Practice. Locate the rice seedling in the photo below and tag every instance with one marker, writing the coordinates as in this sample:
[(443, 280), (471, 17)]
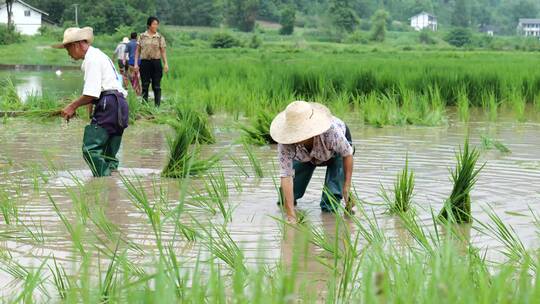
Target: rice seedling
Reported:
[(9, 99), (183, 159), (403, 191), (8, 207), (197, 122), (489, 143), (490, 104), (216, 195), (254, 161), (514, 249), (258, 131), (457, 208), (517, 103), (463, 105)]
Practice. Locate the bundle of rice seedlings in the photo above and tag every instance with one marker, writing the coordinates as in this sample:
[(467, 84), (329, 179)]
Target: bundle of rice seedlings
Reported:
[(184, 159), (403, 191), (258, 133), (198, 122), (457, 207)]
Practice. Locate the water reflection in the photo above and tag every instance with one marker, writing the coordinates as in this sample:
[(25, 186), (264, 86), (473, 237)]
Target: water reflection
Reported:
[(47, 82)]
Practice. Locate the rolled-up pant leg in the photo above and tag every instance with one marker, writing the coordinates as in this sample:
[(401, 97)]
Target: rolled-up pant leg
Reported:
[(95, 142), (333, 184)]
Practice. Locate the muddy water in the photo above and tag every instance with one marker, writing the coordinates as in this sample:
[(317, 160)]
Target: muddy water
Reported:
[(40, 158)]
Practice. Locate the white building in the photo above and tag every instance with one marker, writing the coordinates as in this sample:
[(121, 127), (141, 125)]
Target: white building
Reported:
[(26, 18), (424, 20), (529, 27)]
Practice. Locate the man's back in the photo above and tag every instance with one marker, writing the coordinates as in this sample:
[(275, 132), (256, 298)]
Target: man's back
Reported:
[(131, 47)]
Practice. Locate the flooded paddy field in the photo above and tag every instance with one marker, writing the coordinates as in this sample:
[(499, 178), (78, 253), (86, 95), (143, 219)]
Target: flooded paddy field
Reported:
[(53, 210)]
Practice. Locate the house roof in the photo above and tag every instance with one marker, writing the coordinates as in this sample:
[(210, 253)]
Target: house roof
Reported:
[(424, 13), (27, 5), (528, 20)]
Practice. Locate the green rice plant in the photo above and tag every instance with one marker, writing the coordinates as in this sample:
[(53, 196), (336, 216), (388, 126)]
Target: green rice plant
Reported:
[(518, 103), (198, 122), (403, 191), (8, 207), (217, 194), (219, 242), (61, 281), (76, 232), (513, 247), (253, 160), (490, 104), (463, 105), (183, 159), (489, 143), (9, 99), (258, 131), (536, 102), (457, 208)]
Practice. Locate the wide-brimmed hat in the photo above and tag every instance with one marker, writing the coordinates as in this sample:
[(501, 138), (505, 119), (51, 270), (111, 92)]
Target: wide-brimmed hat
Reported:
[(300, 121), (74, 34), (125, 40)]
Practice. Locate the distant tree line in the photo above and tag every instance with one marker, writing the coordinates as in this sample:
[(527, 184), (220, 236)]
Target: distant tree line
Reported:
[(344, 15)]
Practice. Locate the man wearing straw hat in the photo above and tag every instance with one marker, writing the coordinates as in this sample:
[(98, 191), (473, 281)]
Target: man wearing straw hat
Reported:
[(103, 91), (309, 136)]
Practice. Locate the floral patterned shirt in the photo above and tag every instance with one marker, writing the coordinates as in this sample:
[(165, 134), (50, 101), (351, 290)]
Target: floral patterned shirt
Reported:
[(325, 146), (151, 45)]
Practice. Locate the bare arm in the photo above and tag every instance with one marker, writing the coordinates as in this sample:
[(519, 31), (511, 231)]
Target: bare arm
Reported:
[(137, 53), (287, 189), (347, 169), (164, 58)]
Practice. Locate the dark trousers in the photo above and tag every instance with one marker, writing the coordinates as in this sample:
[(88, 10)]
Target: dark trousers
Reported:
[(151, 71), (333, 182)]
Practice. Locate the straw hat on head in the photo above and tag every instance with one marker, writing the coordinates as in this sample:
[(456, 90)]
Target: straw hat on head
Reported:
[(74, 34), (125, 40), (300, 121)]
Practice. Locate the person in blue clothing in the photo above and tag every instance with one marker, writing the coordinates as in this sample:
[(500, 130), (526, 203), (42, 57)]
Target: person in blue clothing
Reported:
[(133, 74)]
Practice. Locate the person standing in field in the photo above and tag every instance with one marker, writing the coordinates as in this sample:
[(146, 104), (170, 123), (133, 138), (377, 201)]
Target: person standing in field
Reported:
[(104, 92), (309, 136), (152, 52), (120, 54), (133, 76)]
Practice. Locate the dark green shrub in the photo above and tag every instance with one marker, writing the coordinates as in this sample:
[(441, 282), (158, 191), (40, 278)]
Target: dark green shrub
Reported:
[(459, 37), (287, 20), (9, 36), (224, 41)]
